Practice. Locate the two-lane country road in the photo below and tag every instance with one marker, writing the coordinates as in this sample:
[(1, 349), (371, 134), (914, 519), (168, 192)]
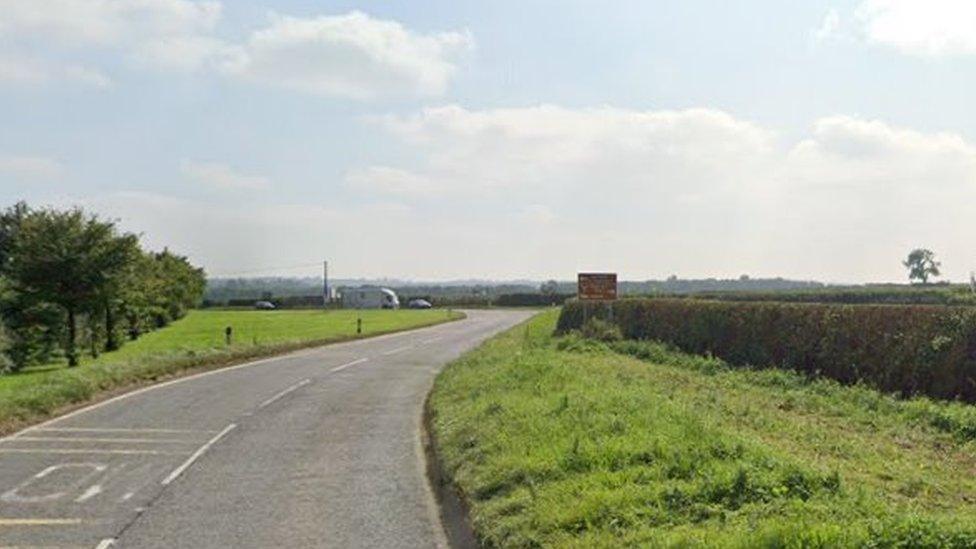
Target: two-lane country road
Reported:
[(319, 448)]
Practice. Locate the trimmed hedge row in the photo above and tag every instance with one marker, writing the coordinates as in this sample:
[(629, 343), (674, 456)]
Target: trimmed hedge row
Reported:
[(897, 296), (531, 300), (916, 349)]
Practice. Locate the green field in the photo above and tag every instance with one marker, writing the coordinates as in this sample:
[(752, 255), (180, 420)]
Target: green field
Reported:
[(194, 342), (567, 442)]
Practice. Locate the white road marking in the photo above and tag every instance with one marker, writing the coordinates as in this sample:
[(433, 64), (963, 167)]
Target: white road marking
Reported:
[(110, 440), (91, 492), (196, 455), (86, 451), (39, 521), (115, 430), (398, 350), (431, 340), (105, 543), (294, 387), (13, 495), (348, 364), (127, 496)]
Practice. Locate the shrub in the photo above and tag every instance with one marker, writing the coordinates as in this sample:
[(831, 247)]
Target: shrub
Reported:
[(600, 330), (906, 349)]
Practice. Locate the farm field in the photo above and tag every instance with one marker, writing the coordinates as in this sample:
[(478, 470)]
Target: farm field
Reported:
[(197, 341), (563, 441)]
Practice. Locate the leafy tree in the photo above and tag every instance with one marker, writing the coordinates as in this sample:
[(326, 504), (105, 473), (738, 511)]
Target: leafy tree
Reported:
[(549, 287), (921, 264), (67, 259)]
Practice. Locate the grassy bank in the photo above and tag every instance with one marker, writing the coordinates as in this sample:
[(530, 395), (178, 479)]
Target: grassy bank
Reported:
[(195, 342), (568, 442)]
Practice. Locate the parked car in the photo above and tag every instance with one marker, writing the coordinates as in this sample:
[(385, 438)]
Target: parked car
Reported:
[(264, 305), (419, 304)]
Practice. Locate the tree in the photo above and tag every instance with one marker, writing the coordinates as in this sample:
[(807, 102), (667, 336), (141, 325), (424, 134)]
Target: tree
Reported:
[(549, 287), (921, 264), (67, 259)]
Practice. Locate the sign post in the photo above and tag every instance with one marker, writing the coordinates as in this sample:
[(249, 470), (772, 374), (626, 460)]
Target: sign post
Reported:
[(596, 287)]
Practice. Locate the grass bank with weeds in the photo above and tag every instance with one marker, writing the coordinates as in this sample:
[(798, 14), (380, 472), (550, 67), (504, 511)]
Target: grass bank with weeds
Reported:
[(577, 443), (193, 343)]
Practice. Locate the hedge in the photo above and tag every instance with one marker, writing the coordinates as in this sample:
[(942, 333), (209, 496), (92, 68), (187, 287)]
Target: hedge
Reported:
[(908, 349), (531, 300)]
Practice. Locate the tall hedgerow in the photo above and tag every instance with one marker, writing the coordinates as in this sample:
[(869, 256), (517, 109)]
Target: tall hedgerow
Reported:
[(909, 349)]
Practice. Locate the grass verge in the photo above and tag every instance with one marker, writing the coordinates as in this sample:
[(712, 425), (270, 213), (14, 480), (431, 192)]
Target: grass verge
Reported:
[(572, 443), (192, 344)]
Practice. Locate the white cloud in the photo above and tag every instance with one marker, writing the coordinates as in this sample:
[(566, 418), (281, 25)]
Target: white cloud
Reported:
[(22, 70), (700, 190), (106, 22), (829, 27), (914, 27), (222, 176), (30, 167), (385, 179), (352, 55)]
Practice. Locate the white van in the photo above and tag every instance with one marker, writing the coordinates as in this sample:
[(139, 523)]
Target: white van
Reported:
[(370, 298)]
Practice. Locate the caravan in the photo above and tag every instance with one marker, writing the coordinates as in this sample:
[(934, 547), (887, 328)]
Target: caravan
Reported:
[(370, 298)]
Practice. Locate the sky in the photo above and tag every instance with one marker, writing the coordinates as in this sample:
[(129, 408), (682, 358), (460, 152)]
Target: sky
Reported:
[(439, 140)]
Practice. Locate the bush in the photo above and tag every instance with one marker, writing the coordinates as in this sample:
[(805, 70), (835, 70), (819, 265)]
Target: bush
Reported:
[(919, 349), (600, 330)]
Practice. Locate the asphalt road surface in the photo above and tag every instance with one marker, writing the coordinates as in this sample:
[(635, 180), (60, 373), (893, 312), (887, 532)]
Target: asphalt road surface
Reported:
[(319, 448)]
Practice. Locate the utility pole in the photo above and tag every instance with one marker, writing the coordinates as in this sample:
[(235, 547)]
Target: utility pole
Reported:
[(325, 284)]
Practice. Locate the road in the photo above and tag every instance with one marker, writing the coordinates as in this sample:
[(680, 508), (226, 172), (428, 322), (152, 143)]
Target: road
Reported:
[(319, 448)]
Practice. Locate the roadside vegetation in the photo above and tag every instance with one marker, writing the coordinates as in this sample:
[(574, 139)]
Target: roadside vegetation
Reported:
[(193, 343), (72, 283), (595, 441), (909, 349)]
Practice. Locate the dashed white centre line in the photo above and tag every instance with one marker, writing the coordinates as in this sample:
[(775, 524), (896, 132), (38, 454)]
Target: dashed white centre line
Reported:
[(294, 387), (196, 455), (398, 350), (348, 364), (431, 340)]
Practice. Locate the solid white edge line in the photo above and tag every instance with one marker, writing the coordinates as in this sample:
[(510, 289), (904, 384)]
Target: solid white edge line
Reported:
[(196, 455), (348, 364), (294, 387)]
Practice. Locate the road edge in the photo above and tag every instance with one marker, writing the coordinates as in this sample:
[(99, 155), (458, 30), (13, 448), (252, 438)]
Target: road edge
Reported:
[(452, 507), (101, 397)]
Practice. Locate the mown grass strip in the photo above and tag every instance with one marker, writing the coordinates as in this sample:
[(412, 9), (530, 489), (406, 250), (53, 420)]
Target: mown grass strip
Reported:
[(566, 442), (193, 344)]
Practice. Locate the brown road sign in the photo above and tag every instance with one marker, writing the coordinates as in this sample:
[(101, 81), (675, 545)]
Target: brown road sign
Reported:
[(597, 286)]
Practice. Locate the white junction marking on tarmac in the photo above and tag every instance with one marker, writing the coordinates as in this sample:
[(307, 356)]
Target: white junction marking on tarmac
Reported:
[(398, 350), (91, 492), (348, 364), (87, 451), (109, 440), (115, 430), (294, 387), (39, 521), (88, 470), (431, 340), (196, 455), (105, 543)]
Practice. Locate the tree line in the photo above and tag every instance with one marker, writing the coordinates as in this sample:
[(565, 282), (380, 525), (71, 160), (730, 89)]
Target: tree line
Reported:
[(72, 282)]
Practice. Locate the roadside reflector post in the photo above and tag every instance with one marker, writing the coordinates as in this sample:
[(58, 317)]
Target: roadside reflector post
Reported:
[(228, 334), (359, 326)]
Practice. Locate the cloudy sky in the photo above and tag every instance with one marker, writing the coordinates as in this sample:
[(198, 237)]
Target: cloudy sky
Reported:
[(506, 139)]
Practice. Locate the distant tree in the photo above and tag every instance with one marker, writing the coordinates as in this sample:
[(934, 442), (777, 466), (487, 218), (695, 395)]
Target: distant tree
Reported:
[(921, 264), (549, 287), (743, 278)]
